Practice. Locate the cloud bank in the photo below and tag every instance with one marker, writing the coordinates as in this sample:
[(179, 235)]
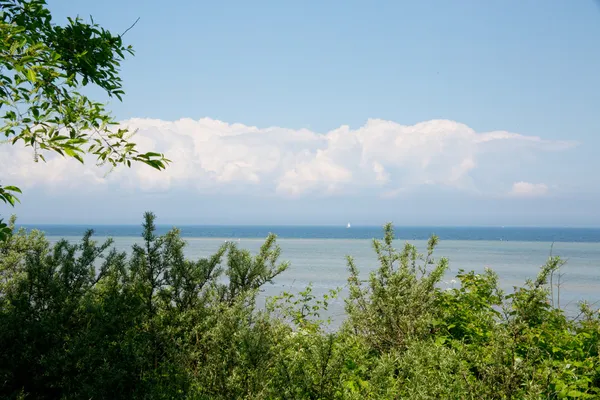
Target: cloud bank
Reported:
[(211, 156)]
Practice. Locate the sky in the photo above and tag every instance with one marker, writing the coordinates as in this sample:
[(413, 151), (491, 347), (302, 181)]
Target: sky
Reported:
[(462, 112)]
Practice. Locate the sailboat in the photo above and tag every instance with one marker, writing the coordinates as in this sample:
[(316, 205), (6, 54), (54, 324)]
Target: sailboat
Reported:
[(348, 226)]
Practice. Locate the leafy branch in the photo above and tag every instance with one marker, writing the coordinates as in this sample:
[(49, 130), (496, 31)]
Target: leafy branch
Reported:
[(43, 69)]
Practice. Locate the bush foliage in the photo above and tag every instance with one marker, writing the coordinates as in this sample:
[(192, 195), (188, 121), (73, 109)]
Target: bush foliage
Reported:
[(83, 321)]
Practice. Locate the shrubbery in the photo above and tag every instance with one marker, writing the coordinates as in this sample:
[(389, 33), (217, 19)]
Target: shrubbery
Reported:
[(82, 321)]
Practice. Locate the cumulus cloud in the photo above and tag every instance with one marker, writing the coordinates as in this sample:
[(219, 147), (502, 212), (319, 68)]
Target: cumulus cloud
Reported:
[(211, 155), (526, 189)]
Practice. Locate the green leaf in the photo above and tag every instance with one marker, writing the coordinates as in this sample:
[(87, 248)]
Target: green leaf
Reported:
[(70, 152), (59, 138), (12, 189), (31, 75)]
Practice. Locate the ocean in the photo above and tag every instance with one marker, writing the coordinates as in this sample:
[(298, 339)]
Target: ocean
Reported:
[(317, 254)]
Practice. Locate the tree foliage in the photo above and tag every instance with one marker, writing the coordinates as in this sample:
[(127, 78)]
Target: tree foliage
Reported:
[(44, 68)]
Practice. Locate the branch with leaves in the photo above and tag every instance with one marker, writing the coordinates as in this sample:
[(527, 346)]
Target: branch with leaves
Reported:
[(43, 69)]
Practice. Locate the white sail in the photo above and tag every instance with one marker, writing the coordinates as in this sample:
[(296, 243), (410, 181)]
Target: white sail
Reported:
[(348, 226)]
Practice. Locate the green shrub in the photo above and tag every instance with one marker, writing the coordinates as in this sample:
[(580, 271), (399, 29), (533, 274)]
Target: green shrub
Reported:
[(81, 320)]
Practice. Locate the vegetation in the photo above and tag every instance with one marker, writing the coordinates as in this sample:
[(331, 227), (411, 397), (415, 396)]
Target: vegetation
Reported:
[(85, 321), (43, 69)]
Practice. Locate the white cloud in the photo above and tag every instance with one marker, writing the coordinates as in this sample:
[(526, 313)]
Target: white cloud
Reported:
[(526, 189), (210, 155), (381, 175)]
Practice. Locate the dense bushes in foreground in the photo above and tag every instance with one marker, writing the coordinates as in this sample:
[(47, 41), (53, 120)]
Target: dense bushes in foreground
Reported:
[(82, 321)]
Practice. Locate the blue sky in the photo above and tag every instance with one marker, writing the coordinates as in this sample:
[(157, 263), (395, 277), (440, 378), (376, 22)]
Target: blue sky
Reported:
[(459, 112)]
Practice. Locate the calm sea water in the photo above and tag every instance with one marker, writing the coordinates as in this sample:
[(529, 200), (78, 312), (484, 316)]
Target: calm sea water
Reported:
[(587, 235), (318, 254)]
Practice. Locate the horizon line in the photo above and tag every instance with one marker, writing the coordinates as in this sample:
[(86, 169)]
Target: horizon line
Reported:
[(316, 225)]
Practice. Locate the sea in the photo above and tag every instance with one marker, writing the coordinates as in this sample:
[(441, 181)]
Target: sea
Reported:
[(317, 254)]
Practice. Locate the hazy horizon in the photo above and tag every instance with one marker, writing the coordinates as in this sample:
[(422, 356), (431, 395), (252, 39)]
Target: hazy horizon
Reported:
[(396, 226)]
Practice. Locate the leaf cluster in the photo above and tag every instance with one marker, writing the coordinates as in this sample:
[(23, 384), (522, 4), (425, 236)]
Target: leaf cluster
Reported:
[(45, 68)]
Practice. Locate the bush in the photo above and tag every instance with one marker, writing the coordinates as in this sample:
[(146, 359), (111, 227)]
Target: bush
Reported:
[(85, 321)]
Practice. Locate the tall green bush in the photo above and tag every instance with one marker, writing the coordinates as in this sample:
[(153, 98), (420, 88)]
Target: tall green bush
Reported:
[(82, 320)]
